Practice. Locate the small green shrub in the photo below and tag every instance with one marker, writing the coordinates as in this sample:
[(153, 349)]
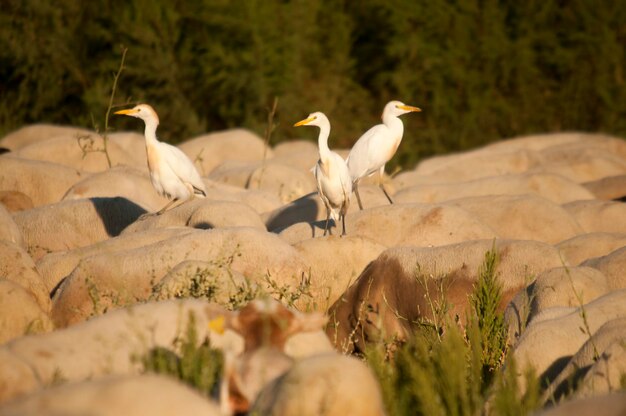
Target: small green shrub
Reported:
[(201, 283), (507, 400), (286, 293), (484, 301), (192, 362), (436, 297), (460, 371)]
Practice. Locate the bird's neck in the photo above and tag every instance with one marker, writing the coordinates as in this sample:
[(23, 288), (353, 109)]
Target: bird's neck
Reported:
[(150, 132), (322, 141), (394, 124)]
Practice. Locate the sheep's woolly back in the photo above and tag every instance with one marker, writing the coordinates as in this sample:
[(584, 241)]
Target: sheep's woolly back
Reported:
[(333, 385)]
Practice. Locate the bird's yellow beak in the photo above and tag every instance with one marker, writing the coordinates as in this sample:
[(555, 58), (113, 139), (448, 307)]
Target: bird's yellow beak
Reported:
[(126, 112), (304, 122), (409, 108)]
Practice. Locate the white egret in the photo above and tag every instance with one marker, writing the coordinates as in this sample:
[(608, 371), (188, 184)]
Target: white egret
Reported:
[(377, 146), (173, 175), (334, 184)]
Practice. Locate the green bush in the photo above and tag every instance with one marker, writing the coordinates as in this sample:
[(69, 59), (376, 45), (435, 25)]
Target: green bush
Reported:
[(462, 372), (485, 301), (192, 362), (480, 69)]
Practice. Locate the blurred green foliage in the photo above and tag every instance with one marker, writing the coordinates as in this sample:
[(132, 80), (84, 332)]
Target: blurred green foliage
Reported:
[(480, 69), (195, 364)]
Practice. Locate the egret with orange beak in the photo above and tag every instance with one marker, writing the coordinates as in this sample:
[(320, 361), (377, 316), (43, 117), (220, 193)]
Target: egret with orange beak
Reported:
[(334, 184), (173, 175), (377, 146)]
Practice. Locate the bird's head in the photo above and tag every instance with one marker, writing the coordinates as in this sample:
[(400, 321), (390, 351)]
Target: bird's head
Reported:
[(314, 119), (397, 108), (142, 111)]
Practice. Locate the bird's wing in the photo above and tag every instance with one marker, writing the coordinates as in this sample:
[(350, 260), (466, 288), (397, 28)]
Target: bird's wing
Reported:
[(182, 166), (320, 180), (346, 185), (333, 182), (359, 159), (343, 173)]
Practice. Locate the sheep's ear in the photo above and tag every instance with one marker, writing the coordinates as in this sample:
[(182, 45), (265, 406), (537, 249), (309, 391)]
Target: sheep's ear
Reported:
[(308, 322)]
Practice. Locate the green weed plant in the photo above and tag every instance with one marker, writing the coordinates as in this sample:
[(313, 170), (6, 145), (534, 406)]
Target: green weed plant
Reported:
[(195, 363), (465, 371)]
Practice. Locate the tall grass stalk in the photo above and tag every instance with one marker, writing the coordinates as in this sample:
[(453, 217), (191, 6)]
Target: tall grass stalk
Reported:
[(105, 135)]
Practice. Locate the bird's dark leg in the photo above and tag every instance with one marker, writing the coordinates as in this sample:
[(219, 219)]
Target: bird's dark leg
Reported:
[(381, 174), (385, 192), (358, 197), (343, 224), (169, 204), (326, 229)]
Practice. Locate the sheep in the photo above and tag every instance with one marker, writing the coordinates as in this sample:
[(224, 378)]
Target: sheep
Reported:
[(265, 325), (333, 385)]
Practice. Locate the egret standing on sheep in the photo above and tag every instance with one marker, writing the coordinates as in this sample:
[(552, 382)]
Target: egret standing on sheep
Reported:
[(173, 175), (334, 184), (377, 146)]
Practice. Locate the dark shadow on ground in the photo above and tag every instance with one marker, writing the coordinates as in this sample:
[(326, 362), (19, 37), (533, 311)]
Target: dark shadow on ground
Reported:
[(116, 213), (303, 209)]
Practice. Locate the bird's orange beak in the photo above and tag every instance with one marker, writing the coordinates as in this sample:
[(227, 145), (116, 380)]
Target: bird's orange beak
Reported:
[(304, 122), (409, 108), (126, 112)]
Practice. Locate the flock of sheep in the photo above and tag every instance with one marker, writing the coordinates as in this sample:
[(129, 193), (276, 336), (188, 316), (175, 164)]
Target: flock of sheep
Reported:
[(100, 264)]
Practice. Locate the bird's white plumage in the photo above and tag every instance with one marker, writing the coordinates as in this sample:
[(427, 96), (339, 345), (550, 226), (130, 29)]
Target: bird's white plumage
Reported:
[(370, 152), (172, 173), (334, 184), (182, 168), (378, 144), (331, 172)]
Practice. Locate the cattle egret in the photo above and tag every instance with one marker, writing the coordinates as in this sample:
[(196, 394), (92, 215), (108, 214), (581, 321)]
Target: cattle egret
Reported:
[(173, 175), (334, 184), (377, 146)]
